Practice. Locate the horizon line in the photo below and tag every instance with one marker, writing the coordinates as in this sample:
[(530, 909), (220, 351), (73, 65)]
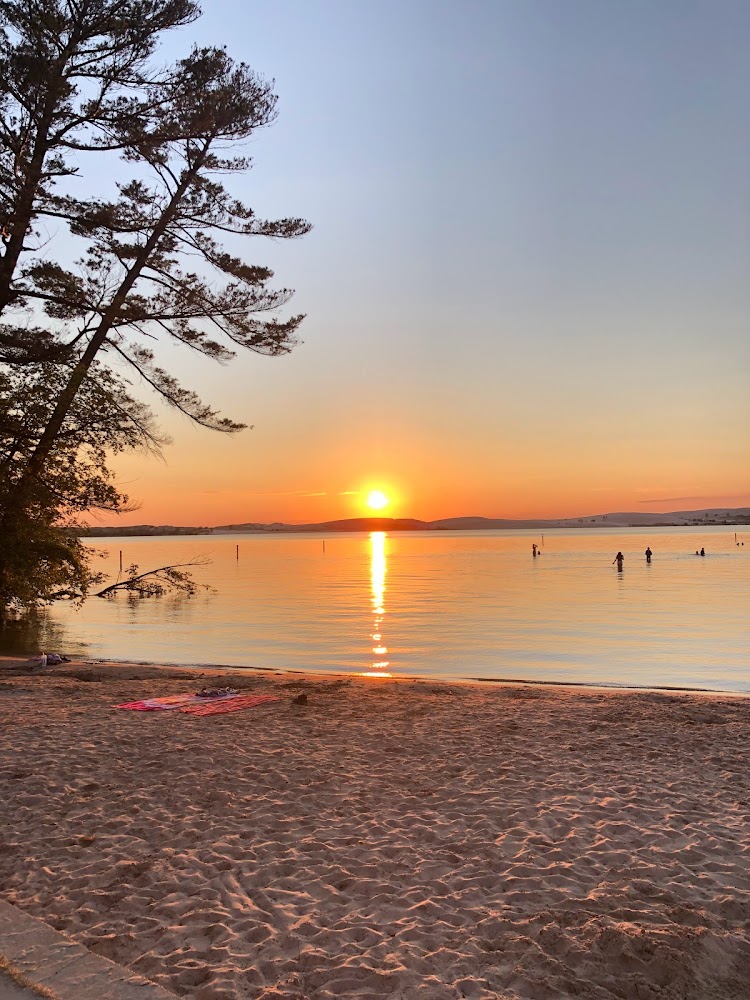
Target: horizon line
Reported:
[(459, 517)]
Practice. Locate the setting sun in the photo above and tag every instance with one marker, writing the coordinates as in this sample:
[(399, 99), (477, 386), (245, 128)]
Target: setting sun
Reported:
[(377, 500)]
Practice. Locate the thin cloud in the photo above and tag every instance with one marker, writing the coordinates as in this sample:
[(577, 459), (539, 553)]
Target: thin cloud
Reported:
[(673, 499), (259, 493), (705, 496), (279, 493)]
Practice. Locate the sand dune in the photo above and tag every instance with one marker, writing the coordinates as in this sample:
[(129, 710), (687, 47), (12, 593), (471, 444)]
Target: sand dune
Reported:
[(388, 839)]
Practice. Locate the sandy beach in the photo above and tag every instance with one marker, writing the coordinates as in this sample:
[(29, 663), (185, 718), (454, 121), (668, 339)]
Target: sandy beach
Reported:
[(399, 839)]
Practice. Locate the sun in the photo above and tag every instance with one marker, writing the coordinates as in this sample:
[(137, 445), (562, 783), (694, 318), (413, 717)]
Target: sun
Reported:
[(377, 500)]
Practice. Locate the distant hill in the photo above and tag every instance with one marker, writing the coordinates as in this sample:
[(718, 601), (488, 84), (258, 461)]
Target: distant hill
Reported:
[(125, 531), (641, 519), (691, 518), (349, 524)]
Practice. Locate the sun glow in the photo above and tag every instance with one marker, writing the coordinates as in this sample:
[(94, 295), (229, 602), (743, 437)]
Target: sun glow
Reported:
[(377, 500)]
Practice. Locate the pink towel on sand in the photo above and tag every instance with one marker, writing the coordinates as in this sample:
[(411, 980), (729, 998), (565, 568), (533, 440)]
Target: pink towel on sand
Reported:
[(222, 705), (169, 701), (159, 704)]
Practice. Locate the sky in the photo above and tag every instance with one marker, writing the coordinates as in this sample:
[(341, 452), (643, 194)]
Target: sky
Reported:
[(526, 289)]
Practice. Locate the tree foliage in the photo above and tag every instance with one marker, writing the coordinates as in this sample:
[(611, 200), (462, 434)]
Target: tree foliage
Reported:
[(42, 556), (73, 77)]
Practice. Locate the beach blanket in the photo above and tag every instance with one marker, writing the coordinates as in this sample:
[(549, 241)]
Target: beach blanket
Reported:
[(170, 701), (218, 706)]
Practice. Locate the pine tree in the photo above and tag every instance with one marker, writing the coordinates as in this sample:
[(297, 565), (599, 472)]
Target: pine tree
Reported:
[(133, 286)]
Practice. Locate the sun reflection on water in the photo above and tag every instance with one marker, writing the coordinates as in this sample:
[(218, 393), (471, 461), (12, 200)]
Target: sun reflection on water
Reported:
[(377, 588)]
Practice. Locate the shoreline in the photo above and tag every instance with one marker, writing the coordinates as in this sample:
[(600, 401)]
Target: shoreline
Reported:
[(385, 838), (193, 669)]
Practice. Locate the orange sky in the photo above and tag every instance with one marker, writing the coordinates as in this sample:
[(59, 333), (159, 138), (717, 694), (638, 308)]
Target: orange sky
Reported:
[(325, 468)]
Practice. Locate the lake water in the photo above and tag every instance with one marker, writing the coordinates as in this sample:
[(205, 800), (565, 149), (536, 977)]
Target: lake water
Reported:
[(443, 604)]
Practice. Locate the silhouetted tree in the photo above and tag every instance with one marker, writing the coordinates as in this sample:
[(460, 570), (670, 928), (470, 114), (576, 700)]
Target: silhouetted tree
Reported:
[(133, 285)]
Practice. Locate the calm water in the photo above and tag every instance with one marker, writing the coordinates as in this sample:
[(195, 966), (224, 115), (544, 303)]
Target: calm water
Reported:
[(446, 604)]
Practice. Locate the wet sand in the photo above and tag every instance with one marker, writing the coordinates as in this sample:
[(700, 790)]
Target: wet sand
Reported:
[(397, 839)]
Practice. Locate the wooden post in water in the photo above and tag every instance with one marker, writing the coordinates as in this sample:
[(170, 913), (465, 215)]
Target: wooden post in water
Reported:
[(121, 560), (237, 556), (324, 546)]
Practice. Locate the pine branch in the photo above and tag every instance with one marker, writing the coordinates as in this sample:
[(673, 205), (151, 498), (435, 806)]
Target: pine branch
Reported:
[(165, 578)]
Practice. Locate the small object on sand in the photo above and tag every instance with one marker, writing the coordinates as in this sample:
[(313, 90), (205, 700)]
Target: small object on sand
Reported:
[(224, 692), (301, 699)]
